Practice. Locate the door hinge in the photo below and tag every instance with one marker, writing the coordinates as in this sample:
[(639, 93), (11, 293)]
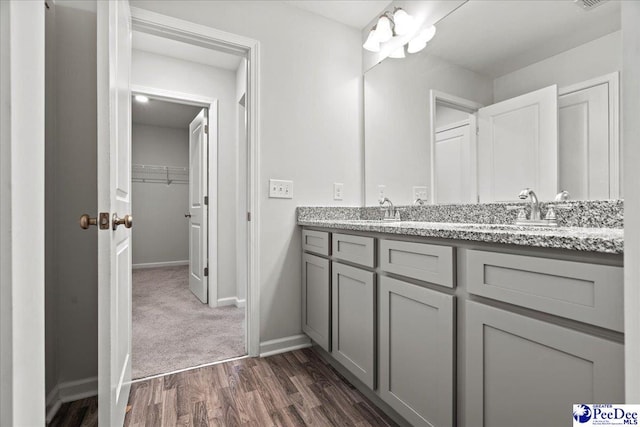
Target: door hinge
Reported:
[(248, 216), (206, 128), (206, 271), (206, 200)]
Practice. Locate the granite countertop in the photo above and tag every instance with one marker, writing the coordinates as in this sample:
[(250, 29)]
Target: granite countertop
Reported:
[(603, 240)]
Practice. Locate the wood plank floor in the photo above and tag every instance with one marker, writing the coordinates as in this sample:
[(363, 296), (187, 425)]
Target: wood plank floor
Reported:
[(290, 389)]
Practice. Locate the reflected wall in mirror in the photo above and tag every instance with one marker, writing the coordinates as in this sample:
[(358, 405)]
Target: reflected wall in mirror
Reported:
[(507, 95)]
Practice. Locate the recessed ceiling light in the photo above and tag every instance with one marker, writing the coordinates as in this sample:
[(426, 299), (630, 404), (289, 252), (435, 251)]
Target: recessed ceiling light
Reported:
[(142, 98)]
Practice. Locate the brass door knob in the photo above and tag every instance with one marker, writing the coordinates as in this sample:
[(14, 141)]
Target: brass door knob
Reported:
[(86, 221), (126, 220)]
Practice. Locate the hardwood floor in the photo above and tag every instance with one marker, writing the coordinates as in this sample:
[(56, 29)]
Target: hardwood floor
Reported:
[(290, 389)]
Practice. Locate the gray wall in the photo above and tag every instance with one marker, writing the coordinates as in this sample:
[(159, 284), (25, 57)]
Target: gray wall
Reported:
[(75, 250), (161, 233)]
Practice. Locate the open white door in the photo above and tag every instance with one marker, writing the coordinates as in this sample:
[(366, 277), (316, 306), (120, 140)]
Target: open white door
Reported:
[(114, 199), (518, 146), (198, 206)]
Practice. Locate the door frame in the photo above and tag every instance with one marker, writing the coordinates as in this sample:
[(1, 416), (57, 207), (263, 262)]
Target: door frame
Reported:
[(201, 35), (435, 97), (211, 104)]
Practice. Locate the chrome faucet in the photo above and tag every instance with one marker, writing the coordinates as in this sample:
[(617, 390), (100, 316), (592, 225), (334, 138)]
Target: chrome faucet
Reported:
[(418, 202), (390, 211), (550, 219), (535, 204)]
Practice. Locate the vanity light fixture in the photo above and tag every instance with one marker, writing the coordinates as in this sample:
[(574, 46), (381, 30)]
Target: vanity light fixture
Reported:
[(389, 24), (398, 23), (142, 99)]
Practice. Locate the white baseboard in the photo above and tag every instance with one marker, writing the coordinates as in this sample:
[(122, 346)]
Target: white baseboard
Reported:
[(282, 345), (68, 392), (160, 264), (240, 303)]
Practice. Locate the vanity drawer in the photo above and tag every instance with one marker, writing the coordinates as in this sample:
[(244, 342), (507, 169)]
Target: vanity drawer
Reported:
[(315, 241), (430, 263), (589, 293), (355, 249)]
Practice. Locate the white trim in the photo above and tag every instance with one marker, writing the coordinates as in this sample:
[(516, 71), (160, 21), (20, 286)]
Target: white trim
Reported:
[(613, 81), (453, 125), (22, 200), (177, 29), (437, 97), (212, 152), (68, 392), (282, 345), (159, 264), (223, 302)]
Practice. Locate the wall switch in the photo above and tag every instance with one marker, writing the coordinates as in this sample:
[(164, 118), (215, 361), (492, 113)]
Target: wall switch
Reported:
[(338, 189), (381, 192), (280, 189), (420, 193)]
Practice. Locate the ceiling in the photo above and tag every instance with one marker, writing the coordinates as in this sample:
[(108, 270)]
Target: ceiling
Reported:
[(354, 13), (185, 51), (495, 37), (163, 113)]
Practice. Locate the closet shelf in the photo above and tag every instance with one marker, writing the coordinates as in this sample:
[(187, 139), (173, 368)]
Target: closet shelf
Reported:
[(160, 174)]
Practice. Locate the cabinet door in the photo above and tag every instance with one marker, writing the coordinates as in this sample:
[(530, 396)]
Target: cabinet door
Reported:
[(416, 352), (525, 372), (316, 300), (353, 325)]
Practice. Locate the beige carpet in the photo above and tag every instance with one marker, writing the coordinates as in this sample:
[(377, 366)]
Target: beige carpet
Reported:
[(173, 330)]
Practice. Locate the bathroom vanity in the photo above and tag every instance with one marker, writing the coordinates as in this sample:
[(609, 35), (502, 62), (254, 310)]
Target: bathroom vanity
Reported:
[(466, 324)]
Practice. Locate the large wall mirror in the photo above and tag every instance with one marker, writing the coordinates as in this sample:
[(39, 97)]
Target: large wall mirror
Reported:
[(508, 95)]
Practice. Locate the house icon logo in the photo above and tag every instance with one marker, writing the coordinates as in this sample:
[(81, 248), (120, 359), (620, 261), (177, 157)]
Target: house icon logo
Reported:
[(582, 413)]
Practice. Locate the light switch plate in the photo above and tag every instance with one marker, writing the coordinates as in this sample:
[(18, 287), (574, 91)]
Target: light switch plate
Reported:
[(280, 189), (338, 191), (420, 192)]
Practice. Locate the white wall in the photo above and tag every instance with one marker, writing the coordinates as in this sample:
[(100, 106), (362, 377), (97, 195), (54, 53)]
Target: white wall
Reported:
[(198, 79), (397, 120), (310, 129), (447, 115), (593, 59), (161, 233), (630, 135), (22, 247)]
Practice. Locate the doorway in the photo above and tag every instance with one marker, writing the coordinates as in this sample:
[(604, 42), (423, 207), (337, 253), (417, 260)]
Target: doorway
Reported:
[(188, 311)]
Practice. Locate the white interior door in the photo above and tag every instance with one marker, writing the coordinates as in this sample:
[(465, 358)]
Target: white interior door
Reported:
[(518, 146), (114, 198), (585, 143), (455, 163), (197, 206)]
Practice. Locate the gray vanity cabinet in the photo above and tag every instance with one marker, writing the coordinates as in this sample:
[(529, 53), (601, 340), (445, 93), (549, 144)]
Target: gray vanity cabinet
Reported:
[(316, 299), (416, 352), (353, 320), (526, 372)]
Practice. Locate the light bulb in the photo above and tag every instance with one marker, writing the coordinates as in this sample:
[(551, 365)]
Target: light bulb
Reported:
[(416, 45), (383, 31), (141, 98), (403, 22), (427, 34), (372, 44), (398, 53)]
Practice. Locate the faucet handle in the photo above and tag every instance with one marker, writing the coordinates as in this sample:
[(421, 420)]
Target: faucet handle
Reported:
[(551, 214)]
